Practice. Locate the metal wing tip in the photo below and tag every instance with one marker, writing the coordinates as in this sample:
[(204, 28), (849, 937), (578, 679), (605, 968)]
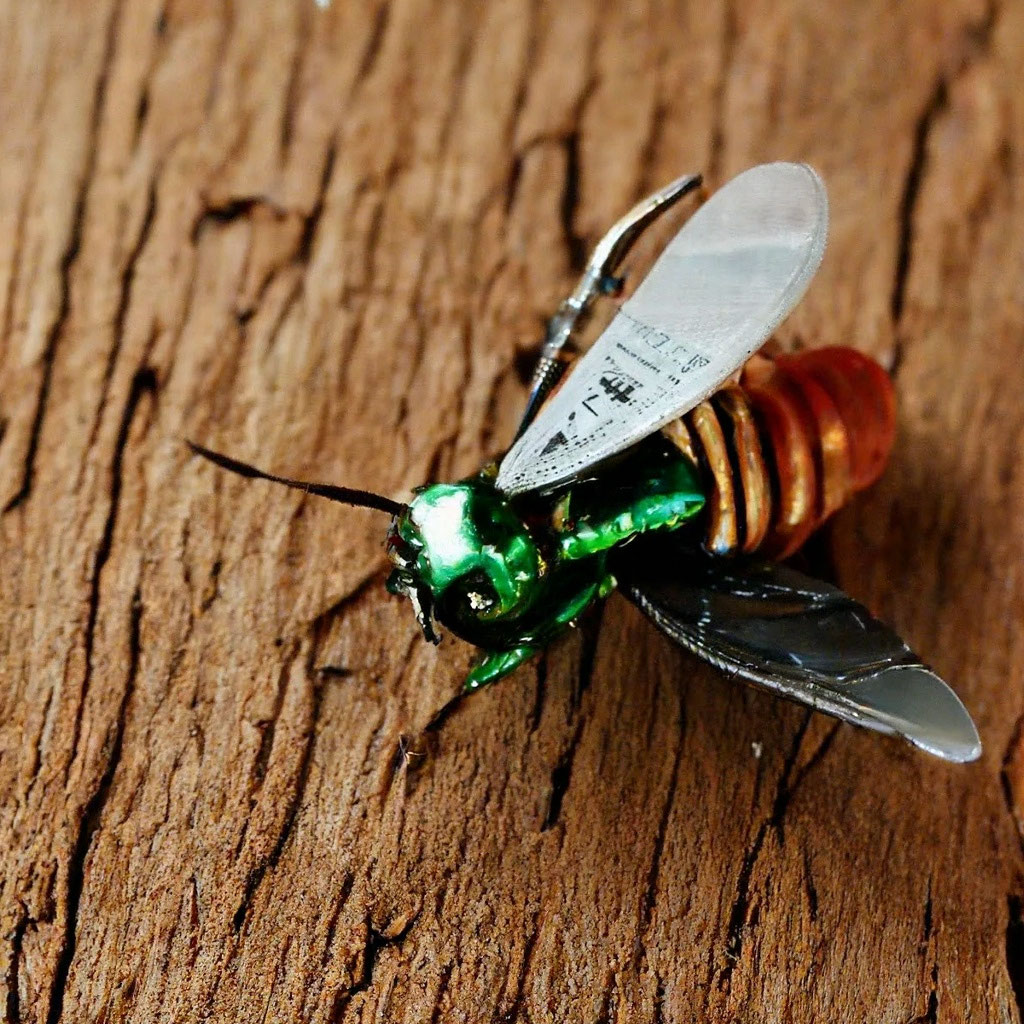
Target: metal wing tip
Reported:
[(915, 703)]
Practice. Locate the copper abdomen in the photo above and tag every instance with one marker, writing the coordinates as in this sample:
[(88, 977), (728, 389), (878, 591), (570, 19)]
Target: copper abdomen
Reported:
[(787, 446)]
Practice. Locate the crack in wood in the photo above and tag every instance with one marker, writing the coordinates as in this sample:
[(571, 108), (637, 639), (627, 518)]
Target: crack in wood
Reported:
[(931, 1013), (655, 129), (440, 717), (928, 923), (300, 257), (420, 337), (540, 694), (16, 249), (978, 37), (651, 885), (812, 762), (590, 630), (232, 209), (320, 627), (289, 106), (121, 314), (258, 871), (344, 891), (929, 940), (514, 1012), (937, 102), (37, 745), (561, 773), (373, 239), (575, 244), (276, 977), (376, 943), (374, 44), (311, 222), (143, 384), (142, 106), (1005, 781), (268, 729), (1015, 948), (742, 916), (49, 357), (655, 126), (809, 888), (560, 777), (67, 262), (659, 999), (604, 1015), (511, 185), (13, 979), (91, 820), (442, 990), (730, 33)]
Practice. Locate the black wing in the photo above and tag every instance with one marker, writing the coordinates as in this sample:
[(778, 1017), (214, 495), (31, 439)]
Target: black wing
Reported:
[(799, 638)]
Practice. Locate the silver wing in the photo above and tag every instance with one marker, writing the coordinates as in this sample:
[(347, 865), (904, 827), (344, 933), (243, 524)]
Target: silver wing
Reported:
[(801, 639), (716, 293)]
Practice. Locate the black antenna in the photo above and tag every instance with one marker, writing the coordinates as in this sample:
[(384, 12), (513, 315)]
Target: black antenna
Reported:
[(346, 495)]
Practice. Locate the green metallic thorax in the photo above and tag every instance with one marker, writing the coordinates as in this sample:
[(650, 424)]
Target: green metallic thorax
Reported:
[(464, 529), (510, 574)]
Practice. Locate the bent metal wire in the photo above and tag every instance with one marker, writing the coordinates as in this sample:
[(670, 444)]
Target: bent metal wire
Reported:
[(680, 461)]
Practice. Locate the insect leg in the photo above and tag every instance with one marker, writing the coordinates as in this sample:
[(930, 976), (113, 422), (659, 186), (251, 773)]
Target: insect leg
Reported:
[(496, 664), (598, 279)]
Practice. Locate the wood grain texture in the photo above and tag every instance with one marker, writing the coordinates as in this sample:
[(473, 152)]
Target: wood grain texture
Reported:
[(234, 784)]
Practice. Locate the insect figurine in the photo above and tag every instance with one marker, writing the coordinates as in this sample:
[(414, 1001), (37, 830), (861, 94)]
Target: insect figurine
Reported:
[(682, 464)]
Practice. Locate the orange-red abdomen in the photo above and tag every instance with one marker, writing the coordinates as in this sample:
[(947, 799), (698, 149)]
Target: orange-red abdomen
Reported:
[(787, 447)]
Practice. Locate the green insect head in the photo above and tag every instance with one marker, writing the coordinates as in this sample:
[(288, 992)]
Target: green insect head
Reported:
[(463, 555)]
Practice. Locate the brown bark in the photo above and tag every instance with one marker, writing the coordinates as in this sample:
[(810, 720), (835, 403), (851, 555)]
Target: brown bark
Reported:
[(324, 240)]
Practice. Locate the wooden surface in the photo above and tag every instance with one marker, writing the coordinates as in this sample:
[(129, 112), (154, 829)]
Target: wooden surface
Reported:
[(232, 786)]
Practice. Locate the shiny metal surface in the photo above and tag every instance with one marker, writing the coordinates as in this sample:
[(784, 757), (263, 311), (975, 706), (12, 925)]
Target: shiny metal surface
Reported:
[(719, 289), (598, 278), (801, 639)]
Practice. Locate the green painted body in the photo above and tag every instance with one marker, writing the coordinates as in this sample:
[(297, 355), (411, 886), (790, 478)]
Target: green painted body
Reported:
[(511, 574)]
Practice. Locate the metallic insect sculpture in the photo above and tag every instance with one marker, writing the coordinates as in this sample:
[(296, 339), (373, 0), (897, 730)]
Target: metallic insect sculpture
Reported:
[(681, 464)]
